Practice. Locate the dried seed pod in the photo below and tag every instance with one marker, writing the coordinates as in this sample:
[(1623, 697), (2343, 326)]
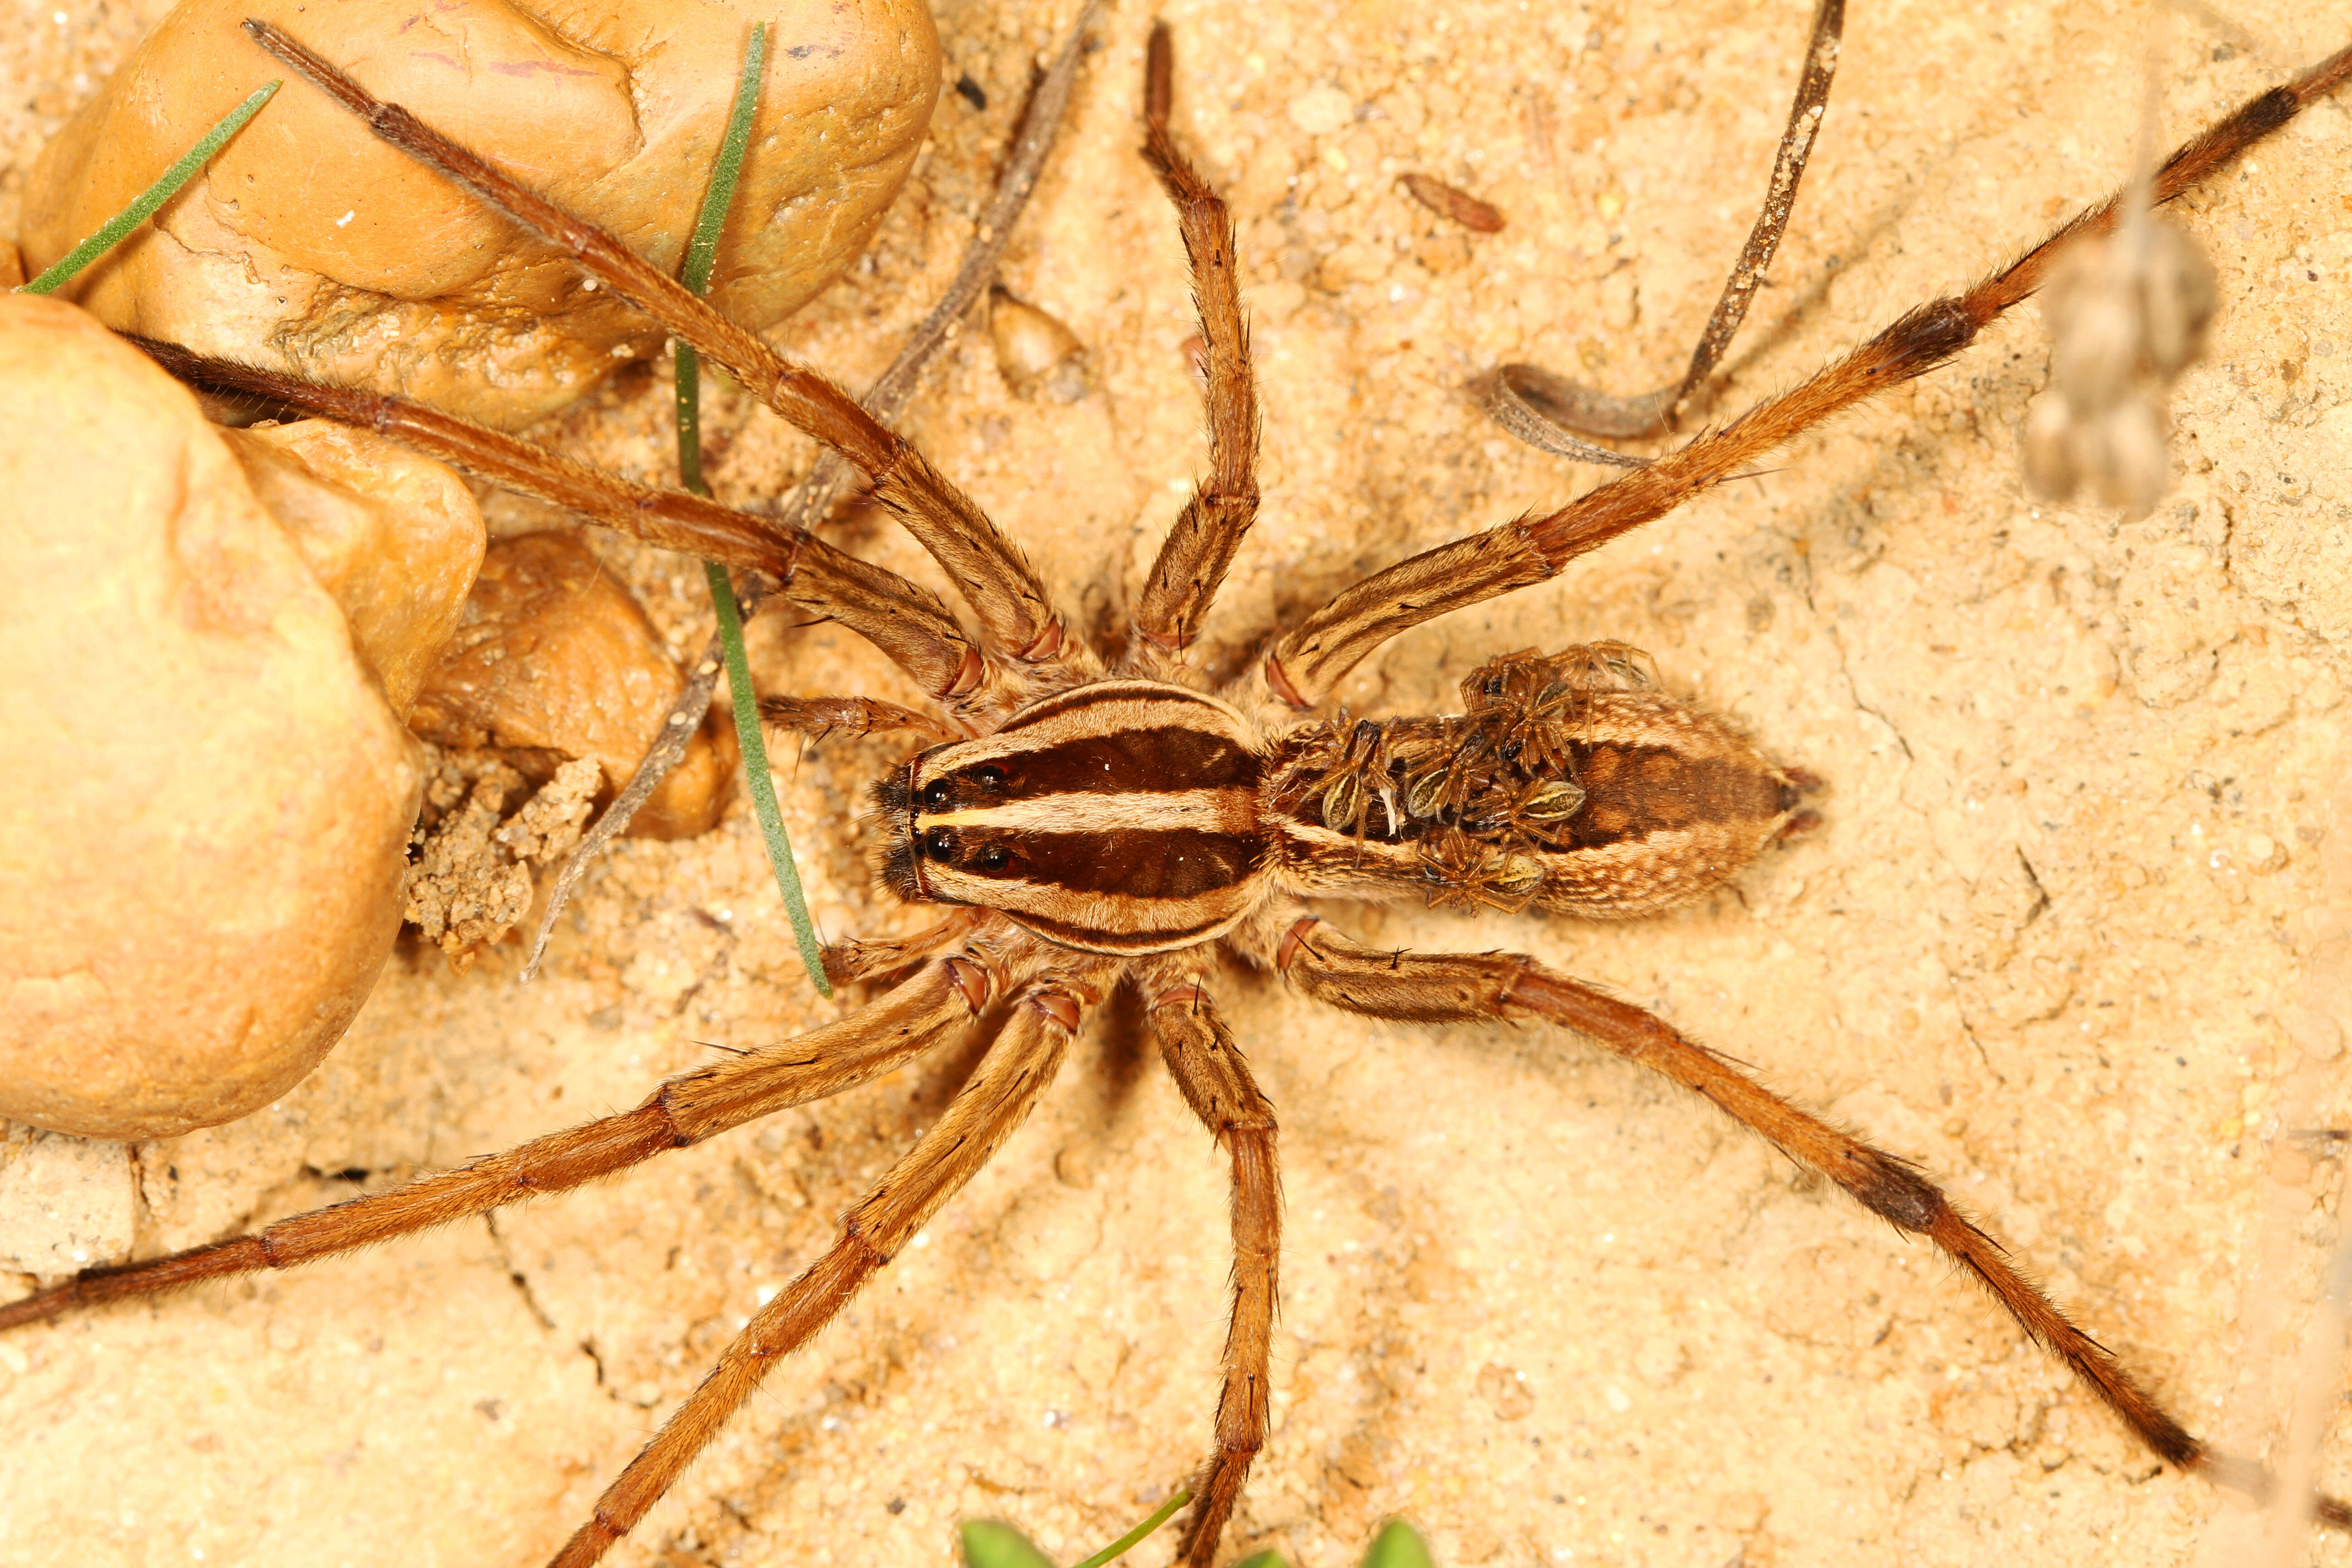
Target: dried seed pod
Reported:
[(1447, 202), (2124, 457), (2097, 326), (2128, 314), (1037, 355), (2179, 296), (2051, 472)]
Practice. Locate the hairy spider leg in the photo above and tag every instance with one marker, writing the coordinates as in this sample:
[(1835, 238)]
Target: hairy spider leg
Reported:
[(906, 622), (921, 1011), (1214, 1080), (1010, 1079), (857, 717), (1311, 658), (1212, 1075), (1017, 618), (1507, 988), (1199, 547)]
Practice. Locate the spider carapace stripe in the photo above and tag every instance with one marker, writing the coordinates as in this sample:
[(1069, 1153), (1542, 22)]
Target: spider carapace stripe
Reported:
[(1120, 818)]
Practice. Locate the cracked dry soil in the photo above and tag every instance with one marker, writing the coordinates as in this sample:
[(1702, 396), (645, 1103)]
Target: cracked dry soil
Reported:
[(2065, 937)]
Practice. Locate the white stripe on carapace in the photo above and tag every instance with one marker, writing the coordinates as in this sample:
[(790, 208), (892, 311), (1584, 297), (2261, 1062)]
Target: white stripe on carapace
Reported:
[(1113, 922), (1107, 708), (1069, 704), (1201, 810)]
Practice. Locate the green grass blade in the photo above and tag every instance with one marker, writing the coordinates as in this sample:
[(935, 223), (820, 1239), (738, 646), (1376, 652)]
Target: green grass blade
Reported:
[(987, 1543), (701, 252), (110, 235), (1119, 1547), (991, 1543), (702, 249), (756, 777), (686, 381)]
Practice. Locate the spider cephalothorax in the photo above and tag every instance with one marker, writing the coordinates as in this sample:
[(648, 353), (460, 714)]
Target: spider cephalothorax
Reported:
[(1116, 817), (1102, 829)]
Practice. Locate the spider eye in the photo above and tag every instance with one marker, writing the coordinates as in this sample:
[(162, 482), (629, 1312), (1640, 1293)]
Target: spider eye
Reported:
[(935, 795), (989, 774), (939, 844), (995, 857)]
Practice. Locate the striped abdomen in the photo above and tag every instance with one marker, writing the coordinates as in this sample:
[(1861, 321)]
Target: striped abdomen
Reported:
[(1627, 803), (1120, 817)]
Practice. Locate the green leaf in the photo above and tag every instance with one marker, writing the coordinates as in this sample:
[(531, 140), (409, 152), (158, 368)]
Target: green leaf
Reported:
[(988, 1543), (1263, 1560), (144, 206), (1397, 1545)]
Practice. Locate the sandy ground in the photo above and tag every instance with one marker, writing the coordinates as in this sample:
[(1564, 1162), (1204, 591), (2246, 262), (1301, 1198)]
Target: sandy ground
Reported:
[(2064, 936)]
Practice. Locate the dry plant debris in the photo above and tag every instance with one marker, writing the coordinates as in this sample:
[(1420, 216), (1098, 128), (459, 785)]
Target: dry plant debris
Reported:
[(467, 885)]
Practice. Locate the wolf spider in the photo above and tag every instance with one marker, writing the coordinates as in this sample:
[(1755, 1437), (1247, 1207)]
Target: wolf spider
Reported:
[(1052, 1007)]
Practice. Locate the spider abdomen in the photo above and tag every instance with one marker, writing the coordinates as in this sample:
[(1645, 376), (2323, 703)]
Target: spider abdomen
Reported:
[(1675, 802), (1570, 784)]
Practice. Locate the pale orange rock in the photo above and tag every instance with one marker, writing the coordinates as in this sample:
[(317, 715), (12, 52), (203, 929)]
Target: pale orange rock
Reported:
[(312, 247), (556, 660), (204, 797), (394, 537)]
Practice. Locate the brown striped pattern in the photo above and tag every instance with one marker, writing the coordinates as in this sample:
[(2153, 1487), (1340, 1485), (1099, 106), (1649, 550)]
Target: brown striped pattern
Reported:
[(1675, 802), (1118, 818)]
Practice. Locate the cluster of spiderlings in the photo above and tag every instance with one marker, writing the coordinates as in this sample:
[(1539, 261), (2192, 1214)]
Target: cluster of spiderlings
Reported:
[(1483, 793), (1464, 873), (2127, 315), (1352, 770)]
